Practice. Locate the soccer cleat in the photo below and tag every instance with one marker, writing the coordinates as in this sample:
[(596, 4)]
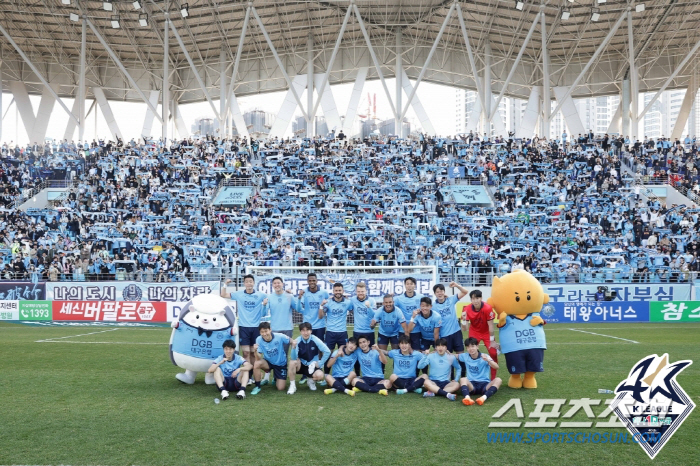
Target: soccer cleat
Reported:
[(467, 402), (240, 395), (480, 401), (428, 394), (401, 391), (323, 383), (264, 382), (451, 396), (312, 385), (328, 391), (302, 381), (356, 389), (418, 391), (350, 392), (292, 390), (224, 394), (255, 390), (250, 382), (384, 392)]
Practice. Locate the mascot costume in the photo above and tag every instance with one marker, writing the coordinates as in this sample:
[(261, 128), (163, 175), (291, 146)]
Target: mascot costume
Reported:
[(517, 298), (203, 325)]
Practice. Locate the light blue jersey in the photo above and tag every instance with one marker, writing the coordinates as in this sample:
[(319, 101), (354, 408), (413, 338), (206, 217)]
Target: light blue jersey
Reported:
[(228, 367), (518, 334), (405, 364), (363, 313), (370, 365), (447, 312), (337, 315), (273, 350), (408, 305), (280, 308), (439, 366), (389, 322), (310, 303), (478, 370), (344, 364), (249, 307), (427, 327)]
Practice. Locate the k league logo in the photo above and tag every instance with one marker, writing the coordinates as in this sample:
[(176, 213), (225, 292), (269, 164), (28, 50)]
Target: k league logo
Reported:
[(650, 402)]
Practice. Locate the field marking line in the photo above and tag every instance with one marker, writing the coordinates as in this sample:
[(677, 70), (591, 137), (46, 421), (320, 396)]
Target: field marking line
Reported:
[(548, 343), (122, 342), (601, 335), (641, 327), (73, 336)]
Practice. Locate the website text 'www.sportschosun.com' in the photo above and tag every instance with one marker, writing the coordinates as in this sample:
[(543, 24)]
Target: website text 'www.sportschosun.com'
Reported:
[(570, 437)]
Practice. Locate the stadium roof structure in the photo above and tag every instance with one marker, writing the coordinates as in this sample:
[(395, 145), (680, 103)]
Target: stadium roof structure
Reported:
[(590, 48)]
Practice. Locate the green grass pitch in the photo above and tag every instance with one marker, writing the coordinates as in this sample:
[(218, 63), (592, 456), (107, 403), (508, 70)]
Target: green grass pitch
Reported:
[(69, 395)]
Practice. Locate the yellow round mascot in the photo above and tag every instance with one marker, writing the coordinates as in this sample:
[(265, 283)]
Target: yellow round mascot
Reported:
[(517, 298)]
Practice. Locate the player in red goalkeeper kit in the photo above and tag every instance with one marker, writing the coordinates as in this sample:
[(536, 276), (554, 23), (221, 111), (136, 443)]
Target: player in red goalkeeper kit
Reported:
[(478, 318)]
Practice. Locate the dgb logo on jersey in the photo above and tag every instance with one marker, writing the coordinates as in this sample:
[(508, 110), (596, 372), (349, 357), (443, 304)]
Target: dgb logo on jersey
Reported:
[(650, 402)]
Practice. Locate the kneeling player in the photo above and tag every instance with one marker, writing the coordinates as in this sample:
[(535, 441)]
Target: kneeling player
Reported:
[(270, 356), (439, 365), (371, 361), (305, 358), (230, 371), (405, 365), (341, 364), (478, 367)]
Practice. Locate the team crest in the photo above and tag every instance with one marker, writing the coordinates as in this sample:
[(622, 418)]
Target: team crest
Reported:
[(132, 293), (650, 402)]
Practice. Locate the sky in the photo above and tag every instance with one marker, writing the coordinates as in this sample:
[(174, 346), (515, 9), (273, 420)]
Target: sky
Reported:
[(438, 101)]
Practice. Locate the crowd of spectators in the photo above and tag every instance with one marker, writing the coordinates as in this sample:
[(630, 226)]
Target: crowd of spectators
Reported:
[(565, 209)]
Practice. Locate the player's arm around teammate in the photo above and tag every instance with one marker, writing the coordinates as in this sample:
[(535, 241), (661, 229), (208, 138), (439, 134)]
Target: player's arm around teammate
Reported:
[(341, 364), (439, 364), (476, 381)]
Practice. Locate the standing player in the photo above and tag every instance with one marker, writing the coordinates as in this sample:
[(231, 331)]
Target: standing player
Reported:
[(477, 319), (310, 300), (439, 364), (405, 367), (445, 306), (305, 358), (249, 307), (427, 322), (230, 371), (407, 303), (476, 381), (363, 313), (371, 363), (280, 306), (270, 356), (341, 363), (391, 322), (336, 313)]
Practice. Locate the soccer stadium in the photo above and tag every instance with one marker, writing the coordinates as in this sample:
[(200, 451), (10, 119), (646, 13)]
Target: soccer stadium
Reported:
[(517, 281)]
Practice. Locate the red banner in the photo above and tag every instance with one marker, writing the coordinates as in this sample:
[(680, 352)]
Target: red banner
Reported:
[(111, 311)]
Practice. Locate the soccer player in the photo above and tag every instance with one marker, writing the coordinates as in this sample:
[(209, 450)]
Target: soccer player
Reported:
[(427, 322), (476, 381), (450, 329), (310, 300), (371, 361), (439, 364), (391, 323), (405, 366), (336, 311), (230, 371), (270, 356), (477, 319), (363, 313), (280, 306), (341, 363), (249, 307), (407, 303), (305, 358)]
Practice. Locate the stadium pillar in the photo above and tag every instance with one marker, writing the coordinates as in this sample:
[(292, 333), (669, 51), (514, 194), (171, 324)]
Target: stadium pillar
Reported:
[(546, 97), (232, 103), (81, 83), (486, 109), (37, 73), (354, 103), (165, 89), (687, 104), (634, 81), (222, 92), (311, 120), (398, 72), (625, 108), (1, 116), (470, 55), (534, 24)]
